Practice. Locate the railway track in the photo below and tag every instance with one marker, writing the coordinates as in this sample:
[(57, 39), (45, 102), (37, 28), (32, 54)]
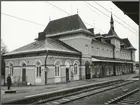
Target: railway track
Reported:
[(84, 93), (66, 96), (131, 97)]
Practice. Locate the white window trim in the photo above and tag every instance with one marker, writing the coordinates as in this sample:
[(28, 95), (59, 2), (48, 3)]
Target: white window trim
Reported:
[(37, 66), (60, 63), (58, 70)]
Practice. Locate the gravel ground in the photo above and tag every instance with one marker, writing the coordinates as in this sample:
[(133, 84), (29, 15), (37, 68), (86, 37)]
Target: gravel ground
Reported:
[(101, 98)]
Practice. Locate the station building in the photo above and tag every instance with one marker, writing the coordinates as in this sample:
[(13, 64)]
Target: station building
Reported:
[(67, 51)]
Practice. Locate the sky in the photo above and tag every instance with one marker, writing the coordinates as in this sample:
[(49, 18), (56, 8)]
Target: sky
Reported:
[(22, 21)]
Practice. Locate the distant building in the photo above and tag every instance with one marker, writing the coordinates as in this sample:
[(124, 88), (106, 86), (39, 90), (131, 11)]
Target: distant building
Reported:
[(66, 51)]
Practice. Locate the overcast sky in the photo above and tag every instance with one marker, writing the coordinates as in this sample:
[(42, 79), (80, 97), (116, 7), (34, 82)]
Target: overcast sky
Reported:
[(22, 21)]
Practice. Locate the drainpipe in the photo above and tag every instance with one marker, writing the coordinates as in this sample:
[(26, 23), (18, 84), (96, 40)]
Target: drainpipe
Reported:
[(80, 67), (46, 69), (114, 68), (131, 55)]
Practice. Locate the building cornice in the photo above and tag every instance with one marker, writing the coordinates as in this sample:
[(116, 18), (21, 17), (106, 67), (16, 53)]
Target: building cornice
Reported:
[(70, 32)]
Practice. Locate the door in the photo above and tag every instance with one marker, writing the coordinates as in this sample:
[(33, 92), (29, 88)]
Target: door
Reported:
[(45, 78), (87, 70), (24, 75), (67, 74)]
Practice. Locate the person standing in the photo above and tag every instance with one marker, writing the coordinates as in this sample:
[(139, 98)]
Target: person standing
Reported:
[(9, 82)]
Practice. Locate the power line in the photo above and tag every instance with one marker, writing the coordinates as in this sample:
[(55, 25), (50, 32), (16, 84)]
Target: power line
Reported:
[(58, 8), (97, 14), (94, 27), (69, 14), (109, 16), (114, 15), (92, 10), (22, 19)]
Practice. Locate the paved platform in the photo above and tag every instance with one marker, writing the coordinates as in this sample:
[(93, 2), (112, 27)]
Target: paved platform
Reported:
[(29, 91)]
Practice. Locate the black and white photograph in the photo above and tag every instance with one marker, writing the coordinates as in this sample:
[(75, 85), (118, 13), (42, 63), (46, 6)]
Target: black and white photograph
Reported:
[(69, 52)]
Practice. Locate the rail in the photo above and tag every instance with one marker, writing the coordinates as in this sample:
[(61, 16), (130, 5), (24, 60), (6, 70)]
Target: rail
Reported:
[(46, 97), (118, 99)]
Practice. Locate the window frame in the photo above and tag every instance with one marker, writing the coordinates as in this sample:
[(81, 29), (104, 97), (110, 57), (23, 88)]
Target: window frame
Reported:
[(38, 69), (11, 69), (75, 70), (57, 70)]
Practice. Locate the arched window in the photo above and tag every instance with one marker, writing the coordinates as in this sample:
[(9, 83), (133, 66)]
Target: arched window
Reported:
[(75, 68), (11, 69), (38, 69), (57, 70), (57, 67)]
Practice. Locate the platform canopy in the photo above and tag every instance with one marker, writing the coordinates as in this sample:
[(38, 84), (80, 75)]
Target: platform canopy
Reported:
[(104, 59)]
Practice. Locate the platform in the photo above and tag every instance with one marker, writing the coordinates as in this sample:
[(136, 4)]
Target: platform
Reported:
[(29, 91)]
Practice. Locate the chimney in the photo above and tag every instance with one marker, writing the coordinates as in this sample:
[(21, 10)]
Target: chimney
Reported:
[(91, 30), (41, 36)]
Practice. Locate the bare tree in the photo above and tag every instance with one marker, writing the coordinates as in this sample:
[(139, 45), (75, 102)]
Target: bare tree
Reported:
[(3, 48), (3, 51)]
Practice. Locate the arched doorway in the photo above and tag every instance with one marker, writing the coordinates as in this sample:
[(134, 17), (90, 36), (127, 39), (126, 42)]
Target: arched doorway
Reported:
[(87, 70), (67, 64), (23, 72)]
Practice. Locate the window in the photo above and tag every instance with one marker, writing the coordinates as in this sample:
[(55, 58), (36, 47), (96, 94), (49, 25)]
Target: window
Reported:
[(86, 49), (98, 52), (57, 69), (11, 69), (38, 69), (75, 68)]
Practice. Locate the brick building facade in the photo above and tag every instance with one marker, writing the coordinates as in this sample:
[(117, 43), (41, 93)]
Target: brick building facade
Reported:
[(66, 51)]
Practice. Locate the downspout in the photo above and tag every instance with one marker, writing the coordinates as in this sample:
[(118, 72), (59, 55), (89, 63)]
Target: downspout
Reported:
[(132, 63), (114, 68), (80, 67), (46, 69), (131, 55), (132, 66)]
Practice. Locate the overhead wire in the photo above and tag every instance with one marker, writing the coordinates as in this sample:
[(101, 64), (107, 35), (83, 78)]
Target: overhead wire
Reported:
[(61, 10), (97, 14), (109, 16), (113, 14), (58, 8), (69, 14), (22, 19)]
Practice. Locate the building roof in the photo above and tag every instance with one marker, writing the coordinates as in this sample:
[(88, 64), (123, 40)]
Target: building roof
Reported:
[(127, 44), (112, 33), (42, 45), (65, 24)]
